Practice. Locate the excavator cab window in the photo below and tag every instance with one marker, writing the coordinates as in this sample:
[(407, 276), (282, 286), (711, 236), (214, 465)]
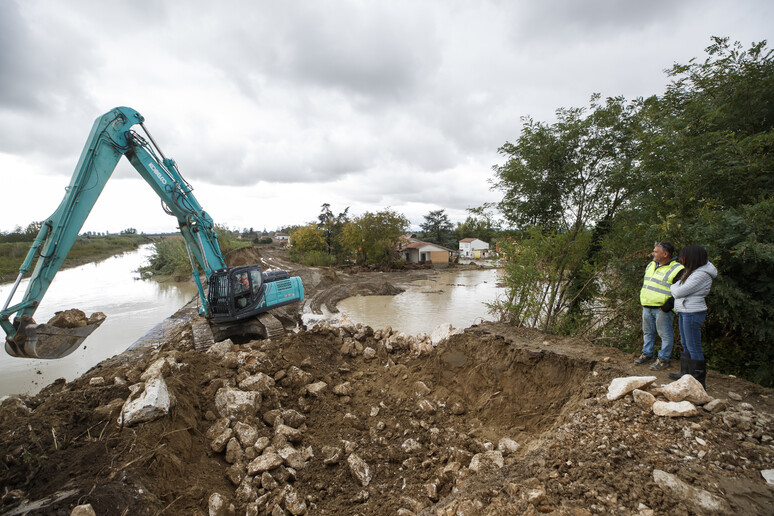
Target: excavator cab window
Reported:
[(242, 289), (255, 277)]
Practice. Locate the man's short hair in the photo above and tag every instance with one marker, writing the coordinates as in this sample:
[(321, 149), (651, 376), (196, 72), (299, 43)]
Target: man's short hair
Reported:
[(669, 247)]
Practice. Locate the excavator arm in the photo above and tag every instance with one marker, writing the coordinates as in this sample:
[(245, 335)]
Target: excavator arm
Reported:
[(234, 294)]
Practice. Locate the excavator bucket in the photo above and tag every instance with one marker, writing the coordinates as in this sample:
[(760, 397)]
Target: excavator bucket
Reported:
[(48, 341)]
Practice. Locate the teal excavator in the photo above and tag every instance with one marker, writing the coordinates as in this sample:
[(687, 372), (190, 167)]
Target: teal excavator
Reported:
[(235, 296)]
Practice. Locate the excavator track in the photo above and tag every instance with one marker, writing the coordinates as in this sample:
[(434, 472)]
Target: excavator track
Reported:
[(274, 328)]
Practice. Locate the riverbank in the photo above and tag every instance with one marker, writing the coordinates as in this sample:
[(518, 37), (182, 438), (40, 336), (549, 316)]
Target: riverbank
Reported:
[(85, 250), (354, 420)]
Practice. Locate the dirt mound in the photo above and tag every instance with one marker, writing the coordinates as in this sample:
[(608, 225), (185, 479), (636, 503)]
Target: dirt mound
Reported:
[(492, 421)]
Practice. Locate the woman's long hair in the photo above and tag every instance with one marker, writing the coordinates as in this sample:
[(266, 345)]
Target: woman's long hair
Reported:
[(692, 257)]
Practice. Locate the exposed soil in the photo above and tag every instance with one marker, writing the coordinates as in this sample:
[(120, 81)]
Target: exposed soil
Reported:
[(431, 423)]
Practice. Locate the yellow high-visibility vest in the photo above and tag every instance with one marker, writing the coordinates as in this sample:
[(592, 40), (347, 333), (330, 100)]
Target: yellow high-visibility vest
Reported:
[(658, 278)]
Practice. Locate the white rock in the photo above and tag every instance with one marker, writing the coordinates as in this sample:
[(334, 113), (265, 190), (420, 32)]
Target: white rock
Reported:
[(161, 367), (359, 469), (83, 510), (507, 446), (258, 382), (692, 495), (643, 398), (411, 446), (97, 380), (263, 463), (442, 332), (620, 387), (675, 408), (219, 349), (487, 459), (369, 353), (231, 402), (153, 403), (686, 388), (316, 388), (219, 506), (344, 389), (293, 503), (768, 475), (246, 434)]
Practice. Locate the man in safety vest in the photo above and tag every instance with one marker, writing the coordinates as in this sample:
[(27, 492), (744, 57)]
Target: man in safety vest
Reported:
[(657, 304)]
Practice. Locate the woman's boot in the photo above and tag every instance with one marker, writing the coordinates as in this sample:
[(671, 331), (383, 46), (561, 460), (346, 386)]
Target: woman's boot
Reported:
[(699, 371), (685, 366)]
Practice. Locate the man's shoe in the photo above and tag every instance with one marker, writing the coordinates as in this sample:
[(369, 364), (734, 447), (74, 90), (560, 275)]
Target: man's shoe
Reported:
[(658, 365), (643, 359)]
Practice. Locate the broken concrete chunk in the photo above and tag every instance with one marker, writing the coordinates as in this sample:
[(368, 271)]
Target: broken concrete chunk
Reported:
[(152, 404), (620, 387)]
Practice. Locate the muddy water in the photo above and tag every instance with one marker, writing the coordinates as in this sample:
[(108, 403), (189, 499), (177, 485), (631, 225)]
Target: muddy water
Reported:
[(456, 297), (133, 306)]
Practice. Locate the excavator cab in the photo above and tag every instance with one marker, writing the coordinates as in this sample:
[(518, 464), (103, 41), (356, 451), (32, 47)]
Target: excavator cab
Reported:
[(245, 291)]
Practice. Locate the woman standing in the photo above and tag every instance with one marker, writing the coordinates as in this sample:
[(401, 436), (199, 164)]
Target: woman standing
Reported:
[(689, 293)]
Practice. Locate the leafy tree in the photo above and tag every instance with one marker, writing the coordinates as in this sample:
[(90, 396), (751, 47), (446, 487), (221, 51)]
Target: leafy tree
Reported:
[(309, 238), (373, 237), (569, 179), (710, 144), (437, 228), (332, 227)]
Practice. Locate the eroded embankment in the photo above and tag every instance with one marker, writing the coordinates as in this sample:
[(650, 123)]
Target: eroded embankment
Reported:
[(356, 421)]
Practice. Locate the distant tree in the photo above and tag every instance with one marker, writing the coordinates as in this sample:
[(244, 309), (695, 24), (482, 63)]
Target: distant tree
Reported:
[(438, 229), (129, 231), (307, 239), (373, 237), (332, 227)]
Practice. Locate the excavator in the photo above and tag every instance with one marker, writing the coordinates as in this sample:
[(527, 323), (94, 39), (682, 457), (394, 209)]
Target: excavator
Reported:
[(239, 296)]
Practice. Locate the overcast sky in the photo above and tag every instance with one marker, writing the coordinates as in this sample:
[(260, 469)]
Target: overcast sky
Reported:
[(273, 108)]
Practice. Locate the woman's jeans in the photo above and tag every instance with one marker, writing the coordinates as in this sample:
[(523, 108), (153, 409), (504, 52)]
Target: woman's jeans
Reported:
[(689, 324), (655, 322)]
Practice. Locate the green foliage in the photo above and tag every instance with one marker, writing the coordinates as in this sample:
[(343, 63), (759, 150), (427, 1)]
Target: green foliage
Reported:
[(373, 237), (693, 166), (438, 229), (169, 258), (308, 239), (332, 227), (536, 276)]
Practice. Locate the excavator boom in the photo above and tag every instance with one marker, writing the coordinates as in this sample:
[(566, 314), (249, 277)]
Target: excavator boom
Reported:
[(246, 293)]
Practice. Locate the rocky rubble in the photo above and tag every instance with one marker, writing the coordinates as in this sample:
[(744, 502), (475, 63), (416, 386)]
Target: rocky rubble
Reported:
[(352, 420)]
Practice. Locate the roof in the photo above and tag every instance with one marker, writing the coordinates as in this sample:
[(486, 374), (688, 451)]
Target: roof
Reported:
[(419, 245), (468, 239)]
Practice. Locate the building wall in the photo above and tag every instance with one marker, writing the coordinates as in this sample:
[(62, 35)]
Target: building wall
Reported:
[(439, 256)]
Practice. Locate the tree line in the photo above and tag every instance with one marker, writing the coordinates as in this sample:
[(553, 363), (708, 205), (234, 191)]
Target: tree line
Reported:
[(374, 237), (589, 194)]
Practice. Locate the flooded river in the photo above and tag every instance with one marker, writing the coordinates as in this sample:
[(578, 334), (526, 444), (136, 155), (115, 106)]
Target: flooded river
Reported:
[(456, 297), (133, 306)]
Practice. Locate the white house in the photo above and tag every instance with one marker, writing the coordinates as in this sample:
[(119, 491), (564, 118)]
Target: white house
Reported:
[(473, 248)]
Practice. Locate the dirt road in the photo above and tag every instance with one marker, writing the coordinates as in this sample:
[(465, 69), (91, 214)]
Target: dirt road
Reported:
[(354, 420)]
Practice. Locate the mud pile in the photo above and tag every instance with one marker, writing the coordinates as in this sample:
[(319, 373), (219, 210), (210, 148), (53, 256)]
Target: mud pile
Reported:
[(360, 421)]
